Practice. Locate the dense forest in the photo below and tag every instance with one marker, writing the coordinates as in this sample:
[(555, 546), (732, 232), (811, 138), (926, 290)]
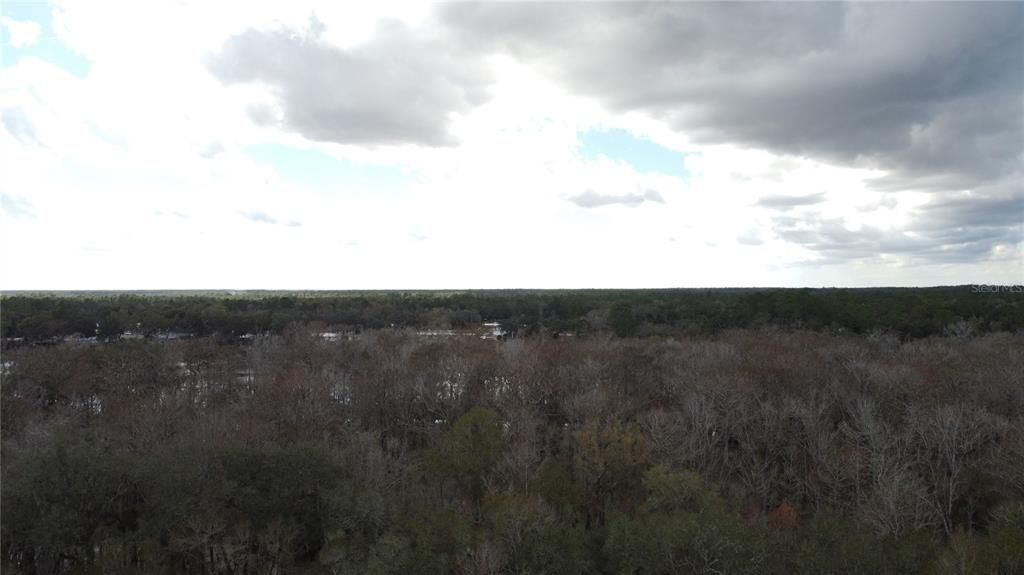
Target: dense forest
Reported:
[(782, 431), (906, 312)]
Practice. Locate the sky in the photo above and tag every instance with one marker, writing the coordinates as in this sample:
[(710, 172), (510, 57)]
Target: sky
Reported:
[(408, 145)]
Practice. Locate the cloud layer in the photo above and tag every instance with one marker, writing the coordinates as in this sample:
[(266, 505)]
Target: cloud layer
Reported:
[(784, 202), (592, 199), (931, 91), (789, 144), (400, 87), (930, 94)]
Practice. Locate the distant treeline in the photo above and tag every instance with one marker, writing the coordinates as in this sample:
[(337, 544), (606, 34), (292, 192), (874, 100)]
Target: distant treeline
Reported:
[(907, 312)]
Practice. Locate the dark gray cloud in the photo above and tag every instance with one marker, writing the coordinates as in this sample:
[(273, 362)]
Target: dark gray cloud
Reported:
[(592, 199), (930, 93), (1002, 208), (401, 87), (782, 202), (950, 228), (18, 124)]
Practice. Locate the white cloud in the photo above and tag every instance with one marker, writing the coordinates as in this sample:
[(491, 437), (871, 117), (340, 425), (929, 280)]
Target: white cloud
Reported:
[(21, 34)]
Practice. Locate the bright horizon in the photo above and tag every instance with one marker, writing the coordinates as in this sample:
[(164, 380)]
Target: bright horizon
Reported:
[(408, 146)]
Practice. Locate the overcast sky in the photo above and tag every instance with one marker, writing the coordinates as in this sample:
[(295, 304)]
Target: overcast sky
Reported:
[(292, 145)]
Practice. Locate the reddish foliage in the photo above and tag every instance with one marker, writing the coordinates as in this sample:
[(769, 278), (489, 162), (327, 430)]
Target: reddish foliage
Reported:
[(784, 518)]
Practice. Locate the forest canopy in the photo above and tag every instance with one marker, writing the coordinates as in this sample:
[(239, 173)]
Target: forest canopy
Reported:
[(826, 437)]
